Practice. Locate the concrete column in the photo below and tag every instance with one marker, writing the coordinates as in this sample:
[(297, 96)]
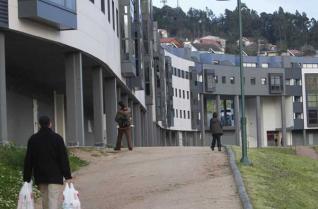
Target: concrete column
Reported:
[(149, 124), (3, 93), (143, 129), (110, 100), (283, 106), (131, 107), (137, 123), (218, 105), (74, 99), (305, 137), (170, 138), (259, 122), (98, 100), (237, 120), (202, 119)]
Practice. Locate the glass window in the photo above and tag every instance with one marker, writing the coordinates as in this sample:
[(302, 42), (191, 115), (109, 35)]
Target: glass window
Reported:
[(183, 94), (263, 81), (189, 115), (223, 79), (108, 7), (180, 113), (187, 75), (117, 22), (176, 93), (209, 81), (102, 2), (180, 93), (232, 80), (184, 114), (264, 65), (253, 81), (182, 73), (312, 117), (216, 79), (188, 95), (176, 113), (179, 73), (298, 99), (68, 4)]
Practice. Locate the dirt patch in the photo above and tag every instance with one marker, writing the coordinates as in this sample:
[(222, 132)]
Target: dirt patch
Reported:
[(307, 152)]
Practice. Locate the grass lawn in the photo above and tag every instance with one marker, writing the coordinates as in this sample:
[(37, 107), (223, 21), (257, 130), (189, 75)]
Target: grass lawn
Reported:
[(11, 166), (278, 179)]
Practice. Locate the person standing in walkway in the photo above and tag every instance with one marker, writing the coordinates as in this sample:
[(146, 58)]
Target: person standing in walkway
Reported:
[(123, 118), (217, 131), (47, 160)]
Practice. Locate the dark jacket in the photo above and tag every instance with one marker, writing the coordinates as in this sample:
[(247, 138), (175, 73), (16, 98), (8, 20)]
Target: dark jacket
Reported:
[(216, 127), (46, 158)]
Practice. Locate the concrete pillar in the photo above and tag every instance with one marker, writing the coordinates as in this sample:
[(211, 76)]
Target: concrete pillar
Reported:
[(283, 106), (137, 124), (98, 100), (131, 107), (74, 99), (170, 138), (110, 100), (149, 124), (259, 122), (237, 120), (305, 137), (218, 105), (143, 129), (3, 93), (202, 119)]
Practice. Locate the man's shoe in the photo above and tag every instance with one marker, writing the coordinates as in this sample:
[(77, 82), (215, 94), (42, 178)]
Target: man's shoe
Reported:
[(117, 149), (212, 148), (220, 150)]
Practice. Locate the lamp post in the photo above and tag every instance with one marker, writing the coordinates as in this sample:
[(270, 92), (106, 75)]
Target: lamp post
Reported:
[(244, 159)]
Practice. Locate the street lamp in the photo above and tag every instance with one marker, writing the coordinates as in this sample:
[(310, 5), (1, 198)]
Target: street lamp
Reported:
[(244, 159)]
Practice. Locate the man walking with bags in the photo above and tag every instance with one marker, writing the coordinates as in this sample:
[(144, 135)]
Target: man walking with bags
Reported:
[(47, 160)]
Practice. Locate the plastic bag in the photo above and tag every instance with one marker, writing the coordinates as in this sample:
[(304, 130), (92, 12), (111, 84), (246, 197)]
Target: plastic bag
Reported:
[(26, 200), (71, 199)]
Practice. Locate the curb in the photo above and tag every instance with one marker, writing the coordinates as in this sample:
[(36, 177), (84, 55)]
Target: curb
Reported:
[(238, 180)]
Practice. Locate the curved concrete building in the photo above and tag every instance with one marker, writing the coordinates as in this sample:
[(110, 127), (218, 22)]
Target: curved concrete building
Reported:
[(70, 60)]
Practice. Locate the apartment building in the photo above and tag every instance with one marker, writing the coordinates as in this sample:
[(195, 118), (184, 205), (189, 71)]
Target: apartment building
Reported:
[(73, 61)]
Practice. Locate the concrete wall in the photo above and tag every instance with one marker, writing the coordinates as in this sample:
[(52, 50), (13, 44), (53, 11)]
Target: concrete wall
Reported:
[(94, 35), (251, 126)]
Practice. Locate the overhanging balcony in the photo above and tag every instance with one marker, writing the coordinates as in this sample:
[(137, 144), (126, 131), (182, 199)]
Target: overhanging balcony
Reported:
[(60, 14)]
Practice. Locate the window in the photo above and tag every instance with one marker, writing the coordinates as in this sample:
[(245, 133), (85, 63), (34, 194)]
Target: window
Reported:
[(102, 5), (289, 82), (182, 73), (189, 115), (298, 99), (175, 71), (216, 79), (108, 7), (184, 114), (253, 81), (298, 116), (92, 1), (188, 95), (312, 117), (180, 93), (264, 65), (180, 113), (263, 81), (187, 75), (176, 113), (176, 93), (310, 65), (232, 80), (298, 82), (173, 113), (113, 14), (275, 83), (179, 73), (183, 94), (223, 79), (312, 100), (251, 65), (117, 22)]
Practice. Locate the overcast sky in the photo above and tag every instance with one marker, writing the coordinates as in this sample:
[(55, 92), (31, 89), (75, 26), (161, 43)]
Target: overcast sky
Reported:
[(269, 6)]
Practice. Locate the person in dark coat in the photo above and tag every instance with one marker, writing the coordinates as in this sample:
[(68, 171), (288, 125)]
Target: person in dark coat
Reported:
[(217, 131), (47, 161), (123, 118)]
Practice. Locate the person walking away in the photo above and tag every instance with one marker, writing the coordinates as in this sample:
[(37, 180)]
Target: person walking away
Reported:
[(47, 160), (123, 118), (217, 131)]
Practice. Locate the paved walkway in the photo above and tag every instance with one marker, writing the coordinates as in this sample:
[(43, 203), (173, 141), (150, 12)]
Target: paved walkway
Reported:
[(158, 178), (306, 151)]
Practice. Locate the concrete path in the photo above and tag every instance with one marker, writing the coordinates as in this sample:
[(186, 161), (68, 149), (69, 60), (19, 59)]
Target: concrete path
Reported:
[(306, 151), (158, 178)]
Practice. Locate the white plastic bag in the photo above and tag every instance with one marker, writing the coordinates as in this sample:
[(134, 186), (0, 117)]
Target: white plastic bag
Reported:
[(71, 200), (26, 200)]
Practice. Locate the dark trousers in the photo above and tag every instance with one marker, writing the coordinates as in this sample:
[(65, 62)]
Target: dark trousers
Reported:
[(216, 138), (127, 133)]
